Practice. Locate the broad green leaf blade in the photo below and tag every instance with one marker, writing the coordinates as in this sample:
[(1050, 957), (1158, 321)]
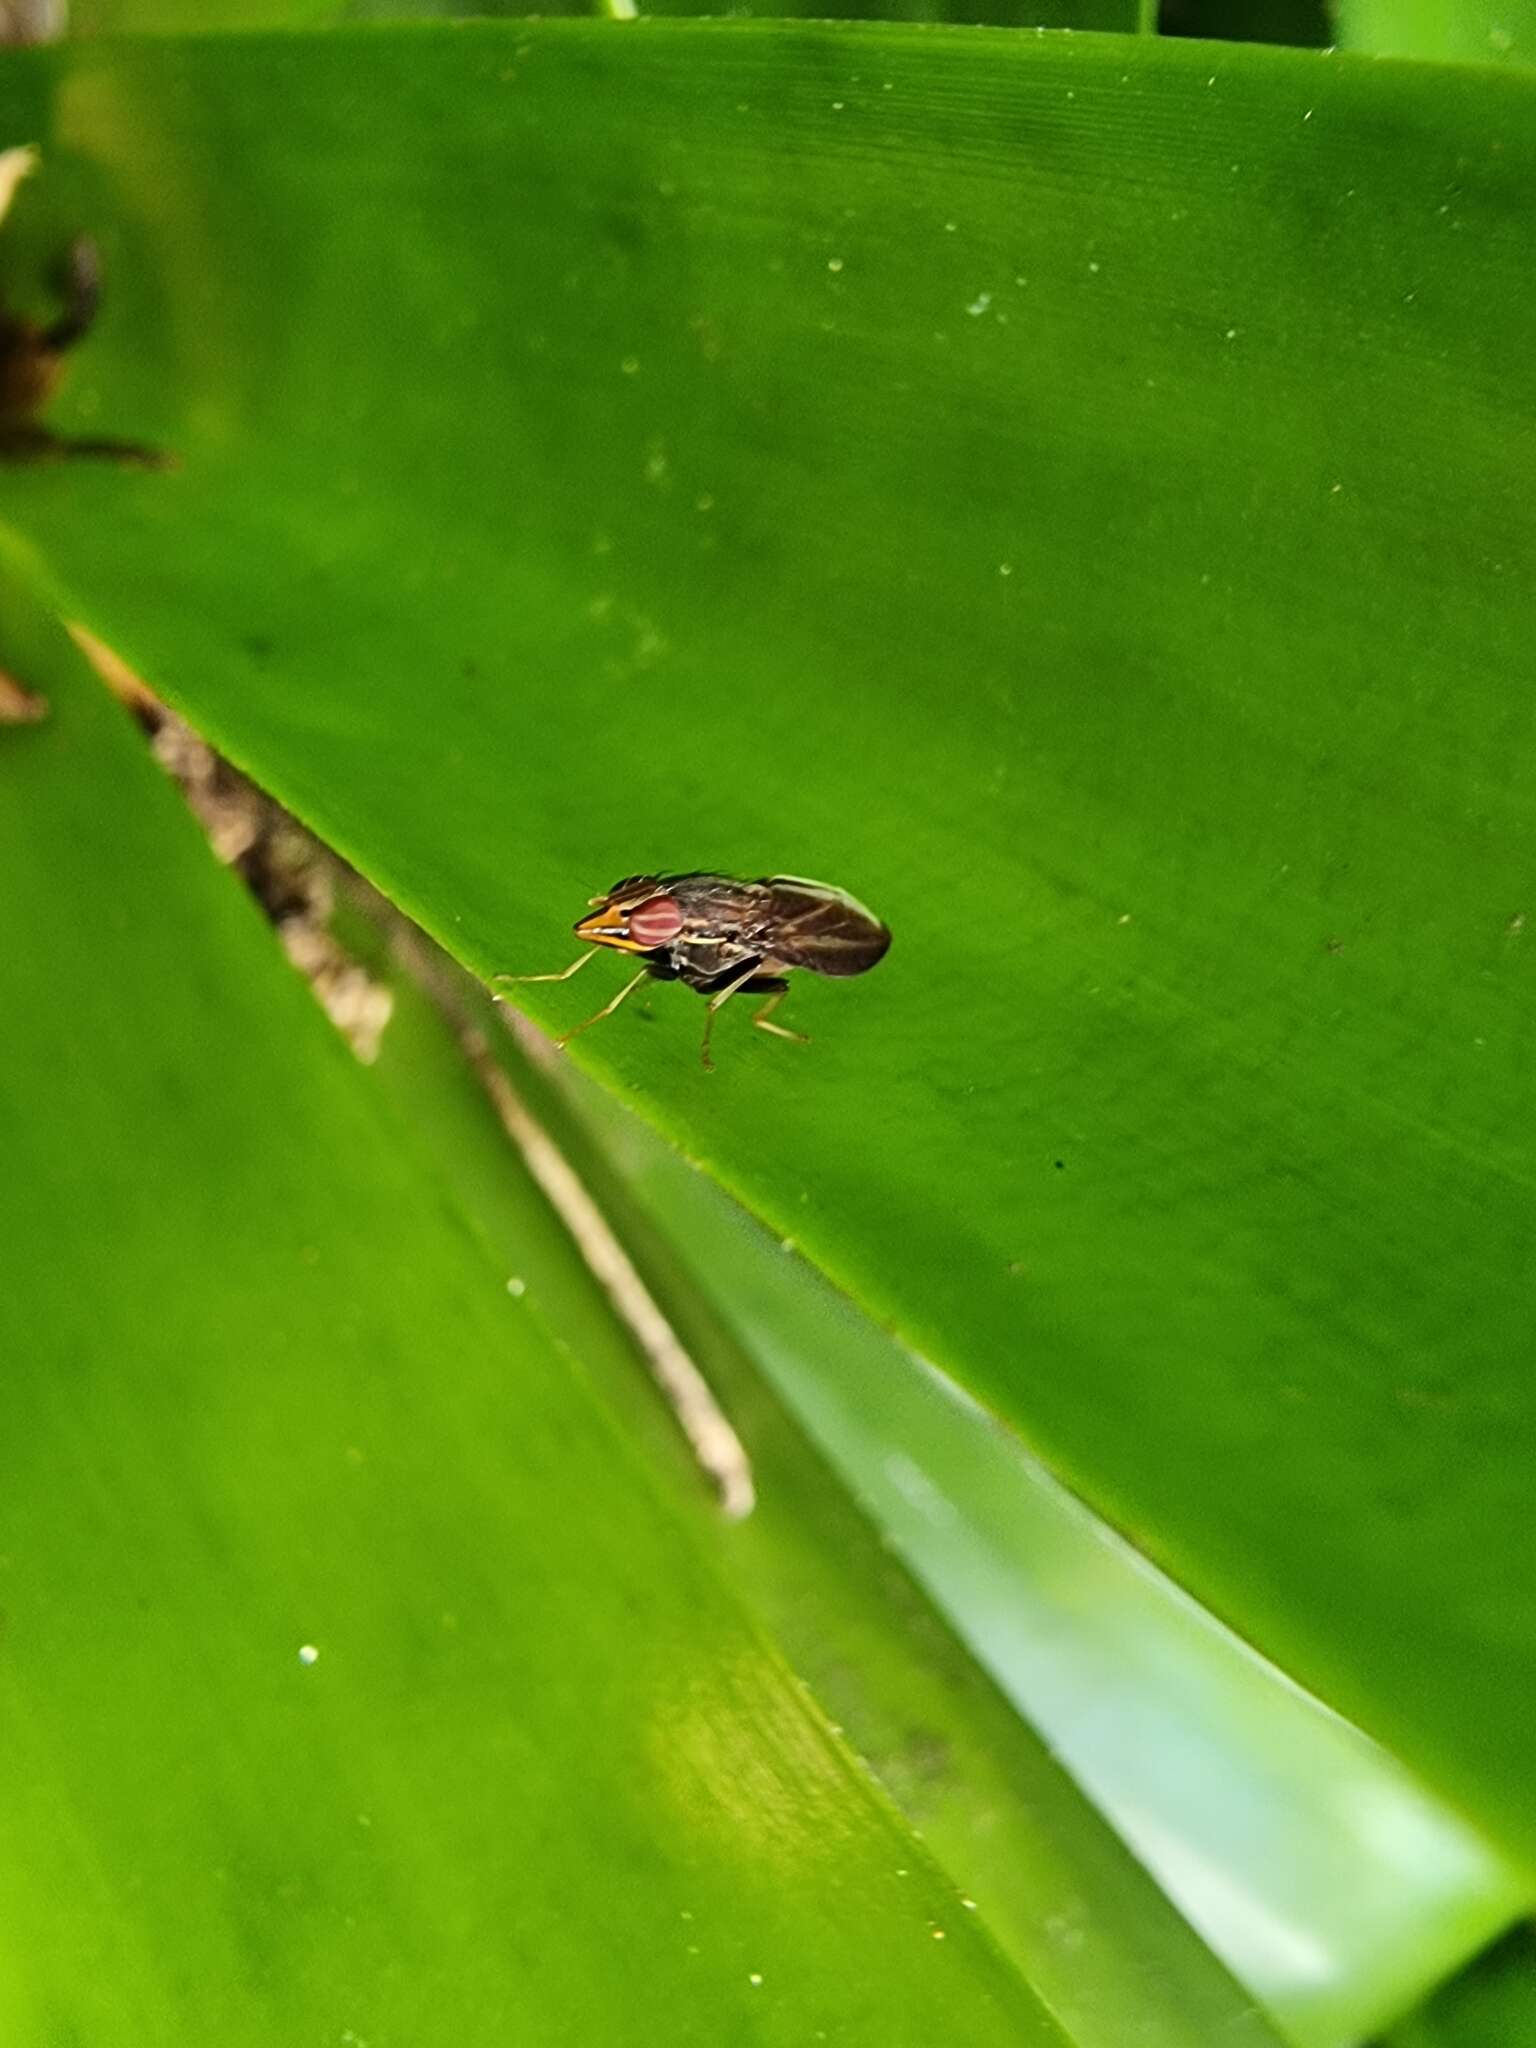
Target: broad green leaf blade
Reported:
[(96, 17), (1484, 31), (1077, 498), (1322, 1874), (1114, 1962), (1492, 2005), (163, 17), (117, 17), (355, 1681)]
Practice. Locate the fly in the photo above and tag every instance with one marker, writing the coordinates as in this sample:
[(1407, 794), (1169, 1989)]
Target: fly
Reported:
[(725, 937)]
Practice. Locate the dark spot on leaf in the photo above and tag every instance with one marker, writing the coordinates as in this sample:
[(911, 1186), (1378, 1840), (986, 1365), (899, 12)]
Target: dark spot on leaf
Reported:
[(625, 227)]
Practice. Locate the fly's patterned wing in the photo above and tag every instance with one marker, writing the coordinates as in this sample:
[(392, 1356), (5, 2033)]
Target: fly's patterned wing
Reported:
[(824, 929), (726, 922), (720, 905)]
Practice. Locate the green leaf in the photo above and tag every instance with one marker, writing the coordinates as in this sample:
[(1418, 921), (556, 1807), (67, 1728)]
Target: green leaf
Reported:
[(1485, 31), (1073, 492), (1327, 1880), (115, 17), (355, 1681), (96, 17), (1053, 1885), (1491, 2005)]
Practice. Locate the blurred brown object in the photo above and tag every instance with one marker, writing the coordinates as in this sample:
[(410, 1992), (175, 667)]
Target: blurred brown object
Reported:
[(33, 357), (291, 875), (33, 21), (19, 705)]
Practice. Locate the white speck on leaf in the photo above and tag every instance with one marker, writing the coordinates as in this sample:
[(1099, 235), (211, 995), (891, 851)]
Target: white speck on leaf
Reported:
[(979, 305), (517, 1288), (308, 1654)]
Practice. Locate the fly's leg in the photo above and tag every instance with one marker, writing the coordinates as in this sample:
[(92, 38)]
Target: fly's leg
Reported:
[(724, 996), (517, 980), (564, 974), (606, 1011), (762, 1015)]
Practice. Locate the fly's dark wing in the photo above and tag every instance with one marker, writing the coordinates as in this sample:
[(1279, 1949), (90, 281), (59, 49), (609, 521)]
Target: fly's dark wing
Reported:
[(825, 929)]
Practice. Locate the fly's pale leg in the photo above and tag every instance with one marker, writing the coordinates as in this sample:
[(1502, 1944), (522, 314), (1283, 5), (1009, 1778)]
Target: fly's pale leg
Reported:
[(724, 997), (606, 1011), (565, 974), (760, 1018)]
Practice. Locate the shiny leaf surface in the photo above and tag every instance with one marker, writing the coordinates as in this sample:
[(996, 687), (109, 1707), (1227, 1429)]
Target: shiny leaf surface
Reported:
[(1073, 492), (356, 1683), (1059, 1893), (1324, 1876)]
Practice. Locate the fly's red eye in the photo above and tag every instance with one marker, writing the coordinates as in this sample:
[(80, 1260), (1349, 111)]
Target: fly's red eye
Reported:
[(655, 922)]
